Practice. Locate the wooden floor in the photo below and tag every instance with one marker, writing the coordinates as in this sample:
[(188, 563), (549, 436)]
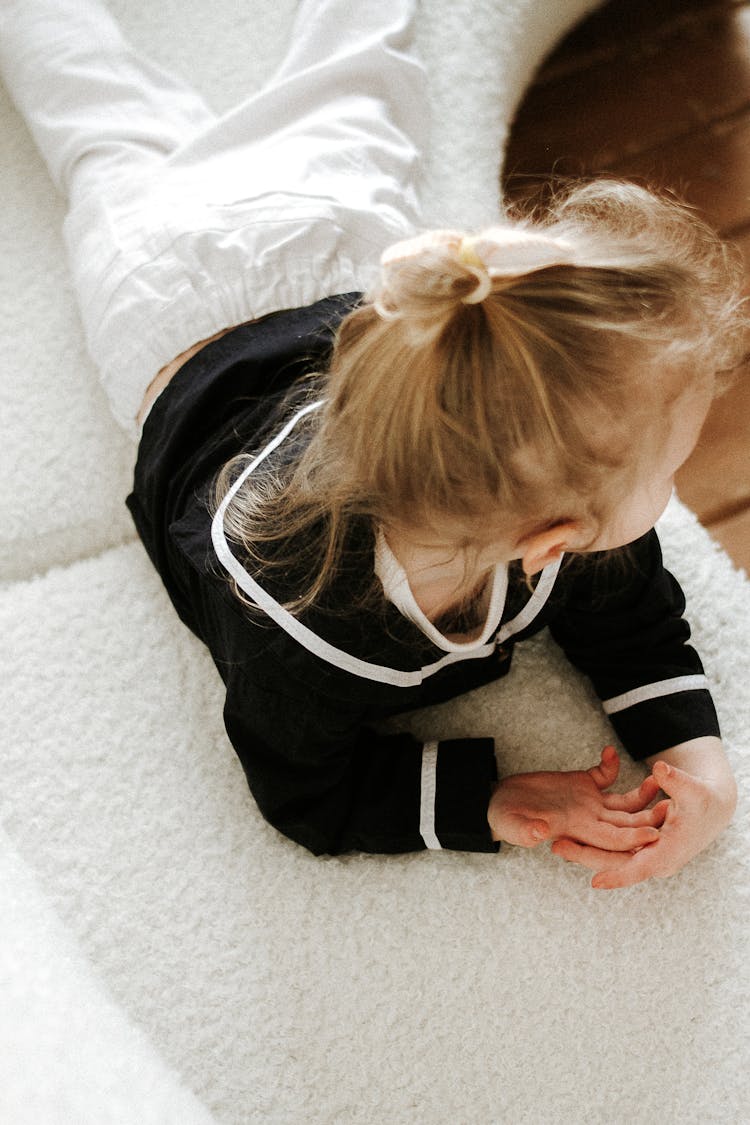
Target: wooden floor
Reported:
[(659, 91)]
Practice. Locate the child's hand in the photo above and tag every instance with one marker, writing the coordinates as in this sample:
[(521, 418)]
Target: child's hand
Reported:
[(698, 810), (528, 808)]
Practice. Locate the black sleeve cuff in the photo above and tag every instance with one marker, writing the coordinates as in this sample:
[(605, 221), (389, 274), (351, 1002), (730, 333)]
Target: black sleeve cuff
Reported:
[(465, 773), (657, 724)]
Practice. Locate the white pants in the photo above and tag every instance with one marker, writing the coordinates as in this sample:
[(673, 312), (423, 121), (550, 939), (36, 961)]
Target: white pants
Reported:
[(182, 223)]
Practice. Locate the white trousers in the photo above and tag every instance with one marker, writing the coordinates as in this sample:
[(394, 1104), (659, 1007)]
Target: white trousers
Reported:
[(182, 223)]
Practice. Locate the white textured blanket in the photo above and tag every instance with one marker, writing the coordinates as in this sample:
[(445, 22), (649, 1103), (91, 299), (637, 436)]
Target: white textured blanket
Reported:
[(165, 956)]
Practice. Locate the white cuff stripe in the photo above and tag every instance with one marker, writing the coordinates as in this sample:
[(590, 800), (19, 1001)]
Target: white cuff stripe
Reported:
[(653, 691), (427, 801)]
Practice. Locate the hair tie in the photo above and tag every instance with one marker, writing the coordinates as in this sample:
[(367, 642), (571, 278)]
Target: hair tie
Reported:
[(474, 265), (500, 251), (508, 251)]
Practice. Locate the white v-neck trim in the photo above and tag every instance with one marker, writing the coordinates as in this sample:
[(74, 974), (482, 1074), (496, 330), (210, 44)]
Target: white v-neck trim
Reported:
[(397, 590), (339, 658)]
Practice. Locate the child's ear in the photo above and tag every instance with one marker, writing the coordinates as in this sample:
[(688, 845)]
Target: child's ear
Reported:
[(542, 548)]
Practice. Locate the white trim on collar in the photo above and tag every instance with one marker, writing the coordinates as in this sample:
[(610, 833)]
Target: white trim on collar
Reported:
[(398, 591), (322, 648)]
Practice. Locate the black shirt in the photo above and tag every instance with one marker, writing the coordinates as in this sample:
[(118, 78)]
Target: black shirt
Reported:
[(305, 695)]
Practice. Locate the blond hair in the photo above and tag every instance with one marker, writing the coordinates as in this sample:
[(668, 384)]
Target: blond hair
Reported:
[(434, 399)]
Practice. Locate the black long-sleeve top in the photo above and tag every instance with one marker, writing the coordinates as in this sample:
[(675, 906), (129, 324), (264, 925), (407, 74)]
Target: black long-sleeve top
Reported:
[(305, 695)]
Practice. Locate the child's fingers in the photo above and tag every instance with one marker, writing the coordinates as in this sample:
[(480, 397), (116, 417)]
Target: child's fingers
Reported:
[(676, 782), (653, 818), (613, 869), (658, 862), (626, 839), (636, 799), (620, 877), (605, 773), (611, 840), (596, 859)]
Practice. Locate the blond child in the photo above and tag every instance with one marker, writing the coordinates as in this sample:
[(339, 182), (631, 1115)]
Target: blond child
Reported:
[(372, 460)]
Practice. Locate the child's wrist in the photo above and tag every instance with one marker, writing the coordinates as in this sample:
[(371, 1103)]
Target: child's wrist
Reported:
[(703, 758)]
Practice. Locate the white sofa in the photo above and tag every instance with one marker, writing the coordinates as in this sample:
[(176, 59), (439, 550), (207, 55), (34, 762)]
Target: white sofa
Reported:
[(165, 956)]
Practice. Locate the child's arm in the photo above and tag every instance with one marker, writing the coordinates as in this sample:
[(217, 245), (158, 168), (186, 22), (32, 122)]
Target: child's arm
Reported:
[(701, 799), (321, 775)]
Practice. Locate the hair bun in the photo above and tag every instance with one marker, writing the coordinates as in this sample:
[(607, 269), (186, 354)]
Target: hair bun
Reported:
[(438, 265), (420, 274)]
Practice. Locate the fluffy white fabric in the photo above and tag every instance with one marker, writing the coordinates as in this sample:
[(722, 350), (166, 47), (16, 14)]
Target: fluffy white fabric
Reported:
[(160, 942), (69, 1053)]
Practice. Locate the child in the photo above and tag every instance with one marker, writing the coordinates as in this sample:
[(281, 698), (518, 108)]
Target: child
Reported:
[(372, 459)]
